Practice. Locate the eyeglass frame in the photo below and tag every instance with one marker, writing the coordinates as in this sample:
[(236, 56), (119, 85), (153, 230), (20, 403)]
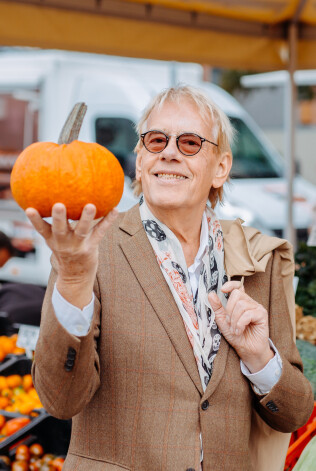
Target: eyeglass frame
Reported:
[(203, 139)]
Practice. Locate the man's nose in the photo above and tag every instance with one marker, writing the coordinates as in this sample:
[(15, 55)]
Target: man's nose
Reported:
[(171, 152)]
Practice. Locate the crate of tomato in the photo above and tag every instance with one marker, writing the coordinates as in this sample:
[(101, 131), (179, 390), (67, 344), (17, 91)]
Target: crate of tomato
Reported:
[(40, 445)]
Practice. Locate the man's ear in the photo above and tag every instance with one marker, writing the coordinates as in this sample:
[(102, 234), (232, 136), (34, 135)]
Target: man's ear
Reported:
[(223, 168), (138, 172)]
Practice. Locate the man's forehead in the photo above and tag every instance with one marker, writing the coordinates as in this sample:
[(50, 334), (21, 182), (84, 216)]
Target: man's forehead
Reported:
[(163, 117)]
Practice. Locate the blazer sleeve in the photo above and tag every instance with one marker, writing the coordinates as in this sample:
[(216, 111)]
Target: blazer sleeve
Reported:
[(290, 402), (66, 369)]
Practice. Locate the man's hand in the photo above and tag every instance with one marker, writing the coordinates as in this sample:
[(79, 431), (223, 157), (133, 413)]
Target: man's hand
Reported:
[(244, 324), (75, 249)]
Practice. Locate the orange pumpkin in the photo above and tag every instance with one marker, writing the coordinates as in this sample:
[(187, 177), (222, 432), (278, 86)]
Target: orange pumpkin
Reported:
[(75, 174)]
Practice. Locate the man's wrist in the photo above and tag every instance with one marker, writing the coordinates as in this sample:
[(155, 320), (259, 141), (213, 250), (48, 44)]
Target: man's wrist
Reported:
[(256, 363), (77, 292)]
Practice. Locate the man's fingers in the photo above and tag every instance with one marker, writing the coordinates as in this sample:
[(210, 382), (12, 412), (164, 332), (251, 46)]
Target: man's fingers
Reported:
[(229, 286), (41, 226), (84, 226), (252, 316), (220, 312), (215, 302), (100, 229), (242, 305), (60, 225)]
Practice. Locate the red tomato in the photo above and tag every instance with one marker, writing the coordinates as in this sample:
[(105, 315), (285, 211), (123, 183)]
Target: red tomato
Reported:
[(58, 463), (36, 449), (20, 466), (22, 453)]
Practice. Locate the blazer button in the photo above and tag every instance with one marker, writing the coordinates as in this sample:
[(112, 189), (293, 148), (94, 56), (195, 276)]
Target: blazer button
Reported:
[(69, 364), (205, 405), (271, 405), (71, 354)]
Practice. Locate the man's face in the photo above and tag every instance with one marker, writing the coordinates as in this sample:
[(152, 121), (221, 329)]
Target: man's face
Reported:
[(171, 180)]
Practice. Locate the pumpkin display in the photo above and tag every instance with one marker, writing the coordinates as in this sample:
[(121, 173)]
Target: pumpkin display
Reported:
[(71, 172)]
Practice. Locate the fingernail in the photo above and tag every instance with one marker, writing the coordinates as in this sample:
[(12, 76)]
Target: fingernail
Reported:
[(89, 209)]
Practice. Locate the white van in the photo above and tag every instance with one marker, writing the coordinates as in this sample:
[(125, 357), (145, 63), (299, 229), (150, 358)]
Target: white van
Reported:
[(49, 83)]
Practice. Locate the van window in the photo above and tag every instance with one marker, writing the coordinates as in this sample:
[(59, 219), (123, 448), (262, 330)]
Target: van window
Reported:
[(250, 158), (119, 136)]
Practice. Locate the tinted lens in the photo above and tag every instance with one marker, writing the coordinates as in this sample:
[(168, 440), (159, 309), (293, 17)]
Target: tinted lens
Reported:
[(155, 141), (189, 144)]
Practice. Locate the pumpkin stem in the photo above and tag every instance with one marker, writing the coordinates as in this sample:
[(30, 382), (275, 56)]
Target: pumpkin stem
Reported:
[(72, 126)]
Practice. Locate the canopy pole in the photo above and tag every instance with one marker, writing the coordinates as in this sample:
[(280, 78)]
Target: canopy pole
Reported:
[(290, 124)]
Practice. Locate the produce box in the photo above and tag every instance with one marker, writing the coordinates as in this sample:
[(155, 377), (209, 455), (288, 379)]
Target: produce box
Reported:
[(16, 365), (53, 434), (17, 425)]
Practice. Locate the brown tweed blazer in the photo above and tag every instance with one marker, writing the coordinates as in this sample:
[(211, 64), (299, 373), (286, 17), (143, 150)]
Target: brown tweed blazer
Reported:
[(132, 385)]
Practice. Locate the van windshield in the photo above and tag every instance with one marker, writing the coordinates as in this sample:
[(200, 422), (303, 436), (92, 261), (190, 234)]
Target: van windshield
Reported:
[(119, 136), (250, 158)]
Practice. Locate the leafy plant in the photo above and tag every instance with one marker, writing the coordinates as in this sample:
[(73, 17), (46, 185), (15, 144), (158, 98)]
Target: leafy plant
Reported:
[(305, 259), (308, 354)]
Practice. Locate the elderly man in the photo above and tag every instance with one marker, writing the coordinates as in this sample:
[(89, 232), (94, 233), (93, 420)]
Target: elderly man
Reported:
[(164, 329)]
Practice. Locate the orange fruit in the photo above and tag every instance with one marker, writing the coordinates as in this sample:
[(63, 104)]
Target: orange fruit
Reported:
[(22, 453), (3, 383), (27, 382), (7, 392), (26, 408), (14, 381), (4, 402), (2, 421), (33, 394), (7, 344), (2, 355), (36, 450), (13, 425)]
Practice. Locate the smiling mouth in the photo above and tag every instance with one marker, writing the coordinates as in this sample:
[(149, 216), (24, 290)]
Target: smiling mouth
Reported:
[(170, 176)]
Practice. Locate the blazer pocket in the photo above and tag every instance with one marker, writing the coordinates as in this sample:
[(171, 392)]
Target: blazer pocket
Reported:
[(87, 463)]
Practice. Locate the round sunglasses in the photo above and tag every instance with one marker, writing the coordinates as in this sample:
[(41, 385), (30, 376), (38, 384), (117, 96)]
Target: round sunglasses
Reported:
[(188, 143)]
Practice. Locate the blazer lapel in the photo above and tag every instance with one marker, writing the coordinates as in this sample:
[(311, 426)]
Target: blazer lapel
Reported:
[(218, 368), (142, 260)]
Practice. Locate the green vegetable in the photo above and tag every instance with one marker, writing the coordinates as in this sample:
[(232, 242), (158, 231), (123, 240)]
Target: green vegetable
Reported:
[(308, 355), (307, 460)]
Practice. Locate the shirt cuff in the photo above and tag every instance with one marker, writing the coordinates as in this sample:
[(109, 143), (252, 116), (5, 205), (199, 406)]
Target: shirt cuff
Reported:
[(76, 321), (264, 380)]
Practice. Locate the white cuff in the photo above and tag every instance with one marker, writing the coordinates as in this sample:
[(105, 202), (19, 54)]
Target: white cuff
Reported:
[(73, 319), (264, 380)]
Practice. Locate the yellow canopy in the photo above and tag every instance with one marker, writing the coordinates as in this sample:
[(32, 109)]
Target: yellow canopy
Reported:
[(250, 34)]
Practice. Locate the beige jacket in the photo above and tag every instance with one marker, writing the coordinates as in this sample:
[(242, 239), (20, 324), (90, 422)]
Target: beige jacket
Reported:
[(132, 385)]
